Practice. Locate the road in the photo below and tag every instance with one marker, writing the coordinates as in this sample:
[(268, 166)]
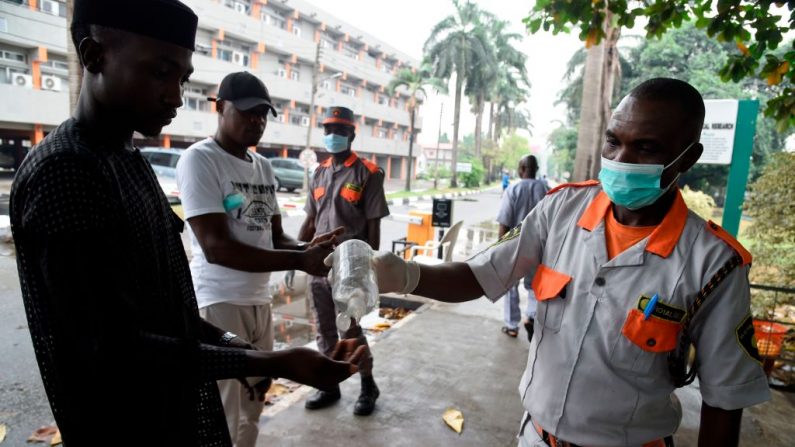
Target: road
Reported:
[(23, 404)]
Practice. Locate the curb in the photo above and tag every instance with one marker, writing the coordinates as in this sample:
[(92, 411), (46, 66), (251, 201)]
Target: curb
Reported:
[(410, 200)]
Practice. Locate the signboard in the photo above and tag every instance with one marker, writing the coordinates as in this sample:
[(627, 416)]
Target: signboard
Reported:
[(717, 135), (442, 213), (308, 158), (465, 168)]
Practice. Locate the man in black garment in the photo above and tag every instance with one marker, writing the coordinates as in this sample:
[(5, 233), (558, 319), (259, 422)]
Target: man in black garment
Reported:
[(104, 276)]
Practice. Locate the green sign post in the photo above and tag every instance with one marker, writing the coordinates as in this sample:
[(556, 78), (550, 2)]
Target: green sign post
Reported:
[(740, 165)]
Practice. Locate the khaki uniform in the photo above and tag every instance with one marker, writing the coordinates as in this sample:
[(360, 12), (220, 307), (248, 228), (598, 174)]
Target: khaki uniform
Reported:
[(346, 195), (597, 372)]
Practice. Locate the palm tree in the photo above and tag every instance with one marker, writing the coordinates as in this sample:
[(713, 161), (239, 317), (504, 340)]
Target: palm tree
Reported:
[(457, 46), (414, 83), (511, 83)]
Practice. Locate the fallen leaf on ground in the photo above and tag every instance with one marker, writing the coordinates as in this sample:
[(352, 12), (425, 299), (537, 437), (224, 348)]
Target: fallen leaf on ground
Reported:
[(454, 419), (43, 434), (3, 431), (382, 326), (277, 389), (56, 440)]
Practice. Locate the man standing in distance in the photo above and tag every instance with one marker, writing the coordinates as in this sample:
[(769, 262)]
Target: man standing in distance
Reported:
[(517, 202), (106, 284), (346, 191), (229, 198)]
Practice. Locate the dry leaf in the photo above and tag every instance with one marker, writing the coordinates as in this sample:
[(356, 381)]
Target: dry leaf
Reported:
[(277, 389), (454, 419), (382, 326), (43, 434), (56, 440), (3, 431)]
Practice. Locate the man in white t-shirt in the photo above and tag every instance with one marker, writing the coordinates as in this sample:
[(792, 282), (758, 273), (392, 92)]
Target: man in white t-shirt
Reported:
[(229, 198)]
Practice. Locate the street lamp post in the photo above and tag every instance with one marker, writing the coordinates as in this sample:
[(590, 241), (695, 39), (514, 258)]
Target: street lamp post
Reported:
[(315, 83)]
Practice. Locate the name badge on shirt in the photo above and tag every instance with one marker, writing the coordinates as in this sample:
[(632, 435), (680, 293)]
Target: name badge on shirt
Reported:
[(662, 310)]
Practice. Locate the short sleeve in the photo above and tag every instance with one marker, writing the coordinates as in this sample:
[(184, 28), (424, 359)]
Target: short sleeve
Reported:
[(540, 190), (729, 369), (505, 216), (199, 187), (375, 206), (310, 207), (270, 179), (514, 256)]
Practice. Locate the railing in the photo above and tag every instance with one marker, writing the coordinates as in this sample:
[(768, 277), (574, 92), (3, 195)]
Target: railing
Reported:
[(780, 365)]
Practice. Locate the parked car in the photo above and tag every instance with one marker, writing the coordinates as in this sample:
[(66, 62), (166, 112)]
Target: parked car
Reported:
[(163, 161), (289, 173)]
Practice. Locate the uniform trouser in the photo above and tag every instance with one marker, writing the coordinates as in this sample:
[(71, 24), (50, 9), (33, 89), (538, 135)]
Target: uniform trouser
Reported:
[(326, 318), (253, 324), (512, 316)]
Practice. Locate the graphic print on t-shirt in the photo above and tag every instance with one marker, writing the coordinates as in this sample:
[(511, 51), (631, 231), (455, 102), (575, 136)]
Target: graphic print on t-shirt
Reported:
[(260, 205)]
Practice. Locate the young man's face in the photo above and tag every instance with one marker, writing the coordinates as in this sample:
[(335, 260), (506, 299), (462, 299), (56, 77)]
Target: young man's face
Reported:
[(142, 79), (244, 127)]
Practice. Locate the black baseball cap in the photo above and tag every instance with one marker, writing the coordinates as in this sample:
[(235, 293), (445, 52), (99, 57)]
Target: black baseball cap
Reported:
[(245, 91)]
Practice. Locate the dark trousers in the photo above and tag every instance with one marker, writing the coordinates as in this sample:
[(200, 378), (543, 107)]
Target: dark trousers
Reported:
[(326, 319)]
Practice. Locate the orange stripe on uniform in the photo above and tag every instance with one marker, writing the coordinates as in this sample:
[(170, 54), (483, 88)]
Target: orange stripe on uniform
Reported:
[(372, 167), (575, 185), (722, 234)]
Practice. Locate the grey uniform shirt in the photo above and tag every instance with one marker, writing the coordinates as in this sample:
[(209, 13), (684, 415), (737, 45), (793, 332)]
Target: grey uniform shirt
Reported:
[(519, 199), (596, 373), (346, 195)]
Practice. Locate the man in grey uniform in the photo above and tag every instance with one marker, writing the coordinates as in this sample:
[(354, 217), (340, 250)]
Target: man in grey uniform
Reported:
[(619, 267), (346, 191), (517, 202)]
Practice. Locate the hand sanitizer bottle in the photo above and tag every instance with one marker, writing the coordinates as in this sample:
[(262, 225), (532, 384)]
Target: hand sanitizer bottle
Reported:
[(353, 285)]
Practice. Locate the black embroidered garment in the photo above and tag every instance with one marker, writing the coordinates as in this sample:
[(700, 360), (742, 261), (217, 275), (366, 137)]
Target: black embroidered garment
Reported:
[(109, 299)]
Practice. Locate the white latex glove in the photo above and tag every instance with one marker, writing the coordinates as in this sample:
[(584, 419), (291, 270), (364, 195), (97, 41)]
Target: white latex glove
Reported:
[(329, 262), (395, 274)]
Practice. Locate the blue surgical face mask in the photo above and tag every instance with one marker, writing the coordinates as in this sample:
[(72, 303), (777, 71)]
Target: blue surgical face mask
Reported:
[(335, 143), (634, 186)]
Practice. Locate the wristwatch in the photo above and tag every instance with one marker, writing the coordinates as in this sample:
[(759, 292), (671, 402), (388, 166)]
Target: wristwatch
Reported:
[(227, 338)]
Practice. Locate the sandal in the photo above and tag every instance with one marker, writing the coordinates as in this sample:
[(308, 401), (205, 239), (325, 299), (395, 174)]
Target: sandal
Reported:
[(510, 332)]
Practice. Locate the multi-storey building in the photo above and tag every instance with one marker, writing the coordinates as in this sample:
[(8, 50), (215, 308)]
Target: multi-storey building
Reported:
[(277, 40)]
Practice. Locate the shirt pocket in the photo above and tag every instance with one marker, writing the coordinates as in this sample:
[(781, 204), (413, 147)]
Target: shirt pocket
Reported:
[(642, 342), (351, 193), (549, 286)]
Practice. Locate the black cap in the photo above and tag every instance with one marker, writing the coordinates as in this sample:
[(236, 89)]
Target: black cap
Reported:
[(339, 115), (167, 20), (245, 91)]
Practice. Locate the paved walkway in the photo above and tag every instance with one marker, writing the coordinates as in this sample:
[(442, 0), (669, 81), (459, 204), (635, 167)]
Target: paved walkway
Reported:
[(455, 356)]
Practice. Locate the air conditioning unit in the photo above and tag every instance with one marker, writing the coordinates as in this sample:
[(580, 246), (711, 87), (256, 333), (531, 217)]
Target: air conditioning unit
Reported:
[(22, 80), (53, 83), (297, 31), (351, 92), (305, 121), (326, 85), (51, 7), (239, 58), (294, 75), (241, 8)]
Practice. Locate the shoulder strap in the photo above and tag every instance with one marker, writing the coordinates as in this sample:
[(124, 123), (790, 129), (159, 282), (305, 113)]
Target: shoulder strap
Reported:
[(677, 359)]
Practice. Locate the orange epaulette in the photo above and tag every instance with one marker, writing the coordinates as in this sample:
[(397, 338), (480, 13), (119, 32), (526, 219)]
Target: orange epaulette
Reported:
[(575, 185), (735, 245), (372, 167), (325, 163)]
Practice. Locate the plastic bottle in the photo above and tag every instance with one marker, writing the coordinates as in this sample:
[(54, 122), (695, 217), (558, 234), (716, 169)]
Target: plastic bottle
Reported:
[(353, 286)]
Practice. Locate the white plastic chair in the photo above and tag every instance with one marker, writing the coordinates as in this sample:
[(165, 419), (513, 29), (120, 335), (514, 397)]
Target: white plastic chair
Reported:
[(447, 244)]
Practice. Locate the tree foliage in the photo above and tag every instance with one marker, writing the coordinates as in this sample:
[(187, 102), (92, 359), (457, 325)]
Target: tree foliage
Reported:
[(772, 207), (753, 27), (683, 53), (563, 141)]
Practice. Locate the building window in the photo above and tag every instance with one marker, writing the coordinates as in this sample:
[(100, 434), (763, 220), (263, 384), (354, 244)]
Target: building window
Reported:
[(295, 75), (3, 25), (296, 30), (13, 56), (53, 7), (383, 100), (273, 18), (350, 52), (348, 90), (382, 133), (386, 68), (194, 97), (325, 43)]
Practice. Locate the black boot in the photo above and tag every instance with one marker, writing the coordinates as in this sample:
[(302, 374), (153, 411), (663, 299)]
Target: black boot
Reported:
[(323, 399), (366, 402)]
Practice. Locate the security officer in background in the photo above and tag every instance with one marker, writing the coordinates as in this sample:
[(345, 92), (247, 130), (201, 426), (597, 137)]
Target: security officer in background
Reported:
[(346, 191), (622, 271)]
